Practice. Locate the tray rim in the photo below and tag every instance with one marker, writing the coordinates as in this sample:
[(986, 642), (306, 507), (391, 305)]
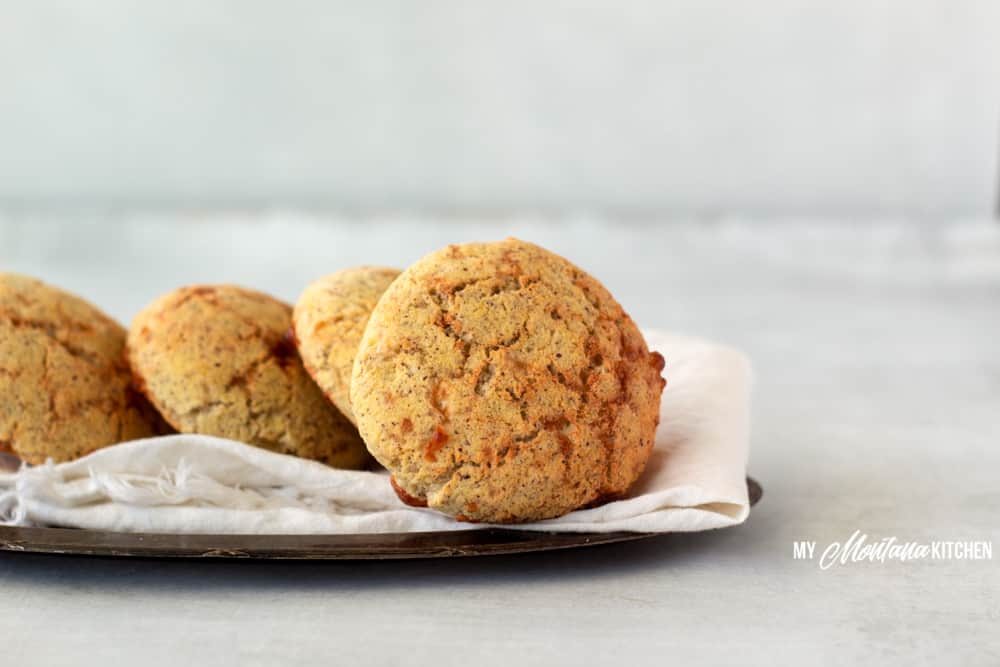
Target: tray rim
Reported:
[(355, 546)]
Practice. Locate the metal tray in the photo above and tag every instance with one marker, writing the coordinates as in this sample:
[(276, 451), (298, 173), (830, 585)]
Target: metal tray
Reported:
[(377, 546)]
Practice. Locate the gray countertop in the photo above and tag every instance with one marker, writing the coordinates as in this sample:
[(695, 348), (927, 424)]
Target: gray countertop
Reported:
[(876, 408)]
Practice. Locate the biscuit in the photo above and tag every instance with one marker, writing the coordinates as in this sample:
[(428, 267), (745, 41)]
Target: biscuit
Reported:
[(328, 321), (500, 383), (65, 389), (218, 360)]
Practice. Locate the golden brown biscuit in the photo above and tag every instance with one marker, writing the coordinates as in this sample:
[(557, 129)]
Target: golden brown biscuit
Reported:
[(218, 360), (500, 383), (65, 389), (328, 321)]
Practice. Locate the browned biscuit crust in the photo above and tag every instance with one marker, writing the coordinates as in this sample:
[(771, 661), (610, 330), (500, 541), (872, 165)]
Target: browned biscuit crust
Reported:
[(329, 320), (218, 360), (65, 389), (501, 383)]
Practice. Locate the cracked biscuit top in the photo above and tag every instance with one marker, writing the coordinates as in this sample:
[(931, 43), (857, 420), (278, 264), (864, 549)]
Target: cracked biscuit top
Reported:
[(328, 321), (500, 383), (218, 360), (65, 389)]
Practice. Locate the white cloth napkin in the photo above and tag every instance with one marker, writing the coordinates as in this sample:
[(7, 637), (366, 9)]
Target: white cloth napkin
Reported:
[(695, 479)]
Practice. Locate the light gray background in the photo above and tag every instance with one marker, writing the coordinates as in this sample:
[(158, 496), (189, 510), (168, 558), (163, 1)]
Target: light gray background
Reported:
[(780, 107), (875, 408)]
